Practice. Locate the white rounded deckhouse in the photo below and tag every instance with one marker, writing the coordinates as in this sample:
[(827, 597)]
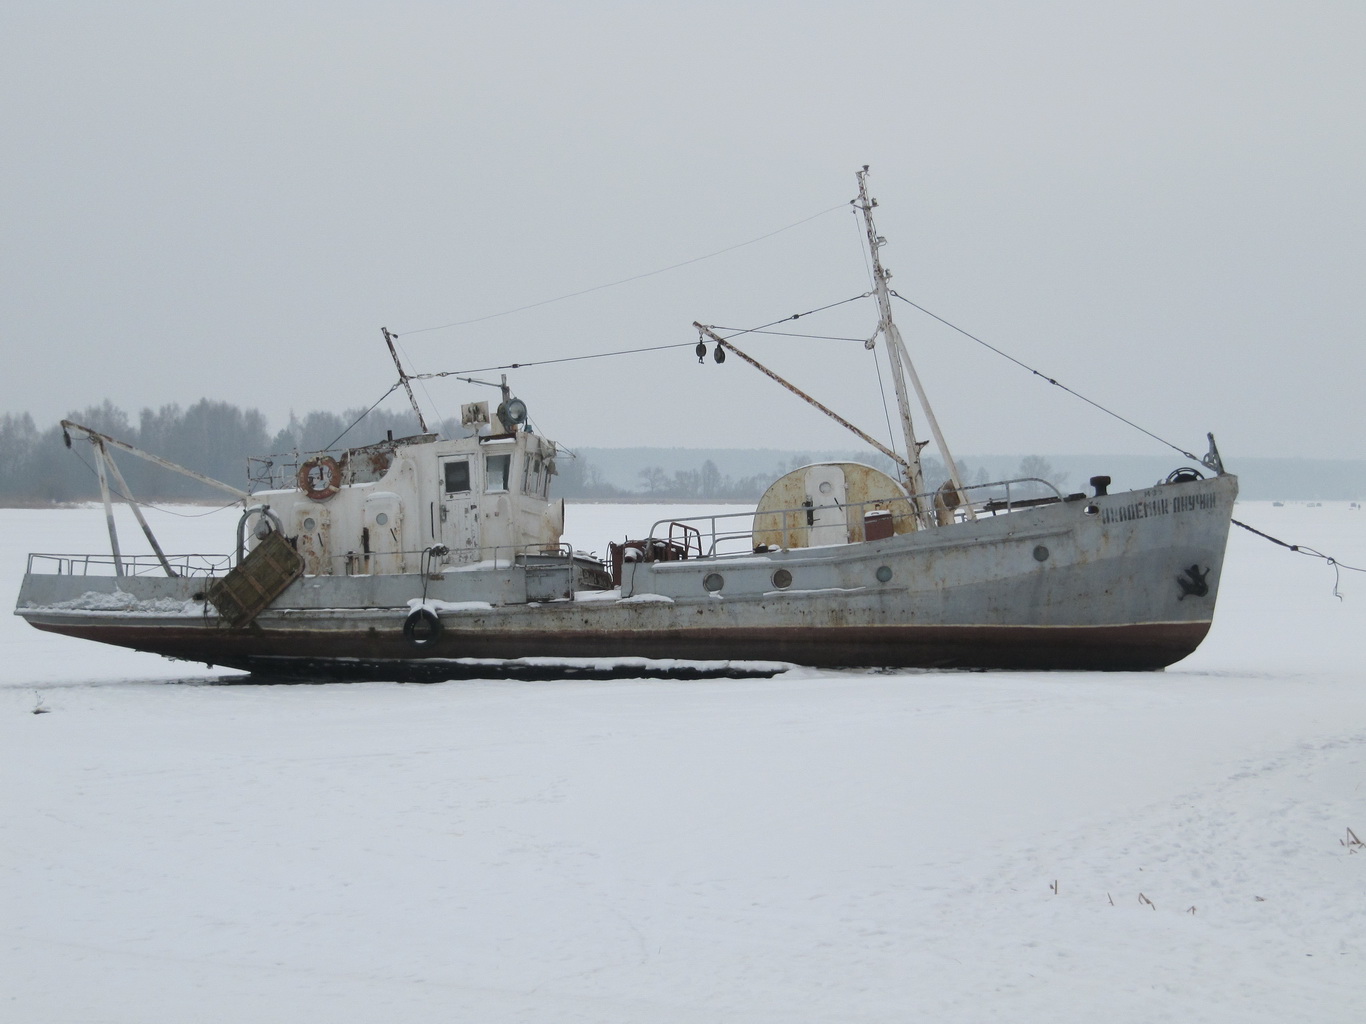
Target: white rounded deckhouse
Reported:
[(431, 558)]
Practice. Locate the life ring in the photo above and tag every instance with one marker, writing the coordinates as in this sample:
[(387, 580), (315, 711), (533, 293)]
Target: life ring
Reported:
[(422, 628), (320, 477)]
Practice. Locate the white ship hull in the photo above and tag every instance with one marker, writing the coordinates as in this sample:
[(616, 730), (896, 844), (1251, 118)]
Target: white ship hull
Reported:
[(1123, 581)]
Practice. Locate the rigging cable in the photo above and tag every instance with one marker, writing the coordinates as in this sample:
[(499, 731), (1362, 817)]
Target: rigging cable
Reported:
[(633, 351), (1298, 548), (1303, 550), (548, 362), (1037, 373), (886, 409), (113, 489), (791, 334), (795, 316), (626, 280), (362, 416)]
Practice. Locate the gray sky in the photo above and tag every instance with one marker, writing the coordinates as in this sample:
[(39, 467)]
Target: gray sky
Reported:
[(1160, 204)]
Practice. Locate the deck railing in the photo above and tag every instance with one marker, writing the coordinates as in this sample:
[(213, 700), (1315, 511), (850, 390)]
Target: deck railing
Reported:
[(732, 533), (50, 564), (127, 565), (726, 534)]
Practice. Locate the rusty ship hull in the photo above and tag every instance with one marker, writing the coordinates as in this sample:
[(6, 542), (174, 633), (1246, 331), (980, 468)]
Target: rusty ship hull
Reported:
[(1123, 581)]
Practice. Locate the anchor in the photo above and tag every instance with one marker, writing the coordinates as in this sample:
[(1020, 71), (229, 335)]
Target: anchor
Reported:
[(1193, 583)]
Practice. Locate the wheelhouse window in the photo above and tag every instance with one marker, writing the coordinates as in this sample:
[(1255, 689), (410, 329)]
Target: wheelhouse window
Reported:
[(497, 469), (532, 475), (457, 475)]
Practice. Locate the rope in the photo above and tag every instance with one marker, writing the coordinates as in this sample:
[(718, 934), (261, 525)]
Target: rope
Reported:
[(797, 316), (1055, 383), (637, 351), (147, 504), (1303, 550), (886, 409), (548, 362), (362, 416), (793, 334), (626, 280)]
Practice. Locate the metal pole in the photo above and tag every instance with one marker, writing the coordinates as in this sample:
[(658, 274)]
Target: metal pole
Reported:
[(934, 426), (915, 477), (403, 377), (802, 395), (103, 439), (900, 359), (100, 456), (147, 530)]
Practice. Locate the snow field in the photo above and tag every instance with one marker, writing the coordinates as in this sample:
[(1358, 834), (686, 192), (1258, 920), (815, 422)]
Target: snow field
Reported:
[(821, 846)]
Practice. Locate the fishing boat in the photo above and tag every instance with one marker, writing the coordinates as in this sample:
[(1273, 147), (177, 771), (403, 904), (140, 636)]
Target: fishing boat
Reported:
[(430, 557)]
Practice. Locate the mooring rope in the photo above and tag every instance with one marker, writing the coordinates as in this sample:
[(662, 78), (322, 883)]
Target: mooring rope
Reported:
[(1298, 548), (1303, 549)]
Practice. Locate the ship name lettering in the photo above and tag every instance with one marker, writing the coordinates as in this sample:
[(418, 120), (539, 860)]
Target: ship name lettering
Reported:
[(1158, 507), (1192, 502)]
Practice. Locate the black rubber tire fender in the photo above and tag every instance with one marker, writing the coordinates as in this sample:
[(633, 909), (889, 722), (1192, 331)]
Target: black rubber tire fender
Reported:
[(422, 628)]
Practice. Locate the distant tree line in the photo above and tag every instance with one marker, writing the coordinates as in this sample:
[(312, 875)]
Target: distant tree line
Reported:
[(212, 438), (216, 439)]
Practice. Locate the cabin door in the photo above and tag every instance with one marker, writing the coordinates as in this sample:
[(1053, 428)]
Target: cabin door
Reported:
[(829, 520), (459, 526)]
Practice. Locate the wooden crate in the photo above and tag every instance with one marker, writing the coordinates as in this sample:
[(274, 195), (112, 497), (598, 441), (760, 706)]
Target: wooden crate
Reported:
[(257, 580)]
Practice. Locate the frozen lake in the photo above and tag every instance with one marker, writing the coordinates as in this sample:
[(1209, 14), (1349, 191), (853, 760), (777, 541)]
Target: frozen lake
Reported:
[(821, 846)]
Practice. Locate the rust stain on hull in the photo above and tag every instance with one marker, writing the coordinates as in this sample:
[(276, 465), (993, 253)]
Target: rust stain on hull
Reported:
[(386, 655)]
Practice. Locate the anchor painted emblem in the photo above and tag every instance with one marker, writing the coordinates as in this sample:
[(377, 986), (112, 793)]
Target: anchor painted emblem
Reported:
[(1193, 583)]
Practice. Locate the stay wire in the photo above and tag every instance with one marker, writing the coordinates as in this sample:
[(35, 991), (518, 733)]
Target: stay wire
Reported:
[(1051, 380), (1298, 548), (147, 504), (794, 334), (1304, 550), (795, 316), (362, 416), (635, 351), (886, 409), (625, 280), (548, 362)]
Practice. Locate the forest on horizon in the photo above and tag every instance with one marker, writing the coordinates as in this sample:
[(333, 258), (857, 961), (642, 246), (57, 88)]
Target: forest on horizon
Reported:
[(217, 438)]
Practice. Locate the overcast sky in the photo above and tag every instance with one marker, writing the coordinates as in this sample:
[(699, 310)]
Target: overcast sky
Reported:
[(1160, 204)]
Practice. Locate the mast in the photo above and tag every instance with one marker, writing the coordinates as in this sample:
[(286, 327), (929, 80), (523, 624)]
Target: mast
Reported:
[(902, 367), (403, 379)]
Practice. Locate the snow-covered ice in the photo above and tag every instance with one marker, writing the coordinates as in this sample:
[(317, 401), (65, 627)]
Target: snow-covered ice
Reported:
[(820, 846)]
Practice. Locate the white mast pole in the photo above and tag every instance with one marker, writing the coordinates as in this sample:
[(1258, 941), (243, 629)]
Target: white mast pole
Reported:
[(902, 366), (403, 379), (914, 477), (100, 456)]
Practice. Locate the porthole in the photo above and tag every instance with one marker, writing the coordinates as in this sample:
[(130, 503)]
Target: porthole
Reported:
[(884, 573), (1040, 553), (782, 579), (1092, 510), (381, 518), (714, 581), (826, 487), (310, 524)]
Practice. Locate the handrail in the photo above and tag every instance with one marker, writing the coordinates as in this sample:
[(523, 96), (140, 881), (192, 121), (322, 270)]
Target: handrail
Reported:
[(51, 564), (56, 564), (719, 537)]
